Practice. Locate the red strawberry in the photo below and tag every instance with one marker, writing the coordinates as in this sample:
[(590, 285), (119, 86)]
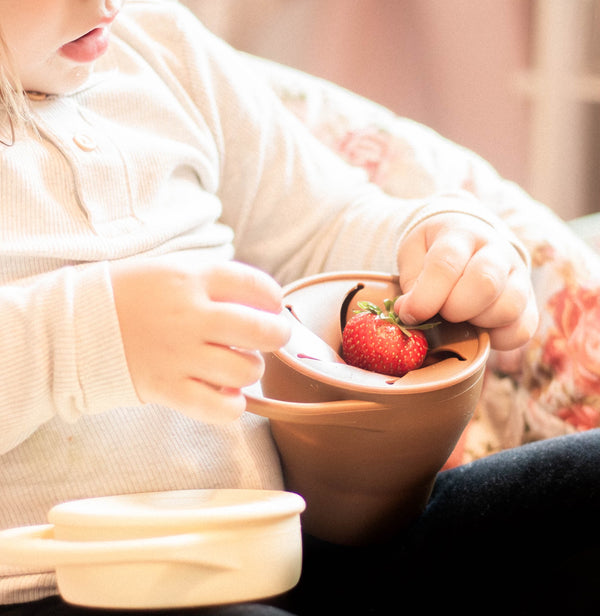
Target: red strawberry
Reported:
[(375, 340)]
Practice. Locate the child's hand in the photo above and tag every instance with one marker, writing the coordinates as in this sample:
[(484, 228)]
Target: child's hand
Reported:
[(192, 333), (460, 267)]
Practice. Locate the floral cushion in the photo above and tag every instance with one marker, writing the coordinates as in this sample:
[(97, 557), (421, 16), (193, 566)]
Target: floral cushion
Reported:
[(549, 387)]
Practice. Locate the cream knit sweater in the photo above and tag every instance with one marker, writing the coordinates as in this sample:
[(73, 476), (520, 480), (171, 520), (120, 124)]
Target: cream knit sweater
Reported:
[(173, 145)]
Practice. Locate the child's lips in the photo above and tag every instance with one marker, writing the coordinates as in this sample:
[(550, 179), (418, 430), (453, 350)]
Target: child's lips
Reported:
[(88, 47)]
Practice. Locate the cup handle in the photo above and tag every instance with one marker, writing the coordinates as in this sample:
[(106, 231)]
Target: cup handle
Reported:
[(36, 546), (299, 411)]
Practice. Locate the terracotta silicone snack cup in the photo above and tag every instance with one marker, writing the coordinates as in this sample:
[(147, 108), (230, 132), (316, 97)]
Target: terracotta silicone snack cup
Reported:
[(363, 449)]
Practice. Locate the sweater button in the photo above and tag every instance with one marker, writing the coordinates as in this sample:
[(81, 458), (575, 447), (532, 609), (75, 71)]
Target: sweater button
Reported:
[(84, 142)]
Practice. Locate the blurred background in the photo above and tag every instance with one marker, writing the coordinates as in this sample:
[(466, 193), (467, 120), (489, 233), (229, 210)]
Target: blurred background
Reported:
[(517, 81)]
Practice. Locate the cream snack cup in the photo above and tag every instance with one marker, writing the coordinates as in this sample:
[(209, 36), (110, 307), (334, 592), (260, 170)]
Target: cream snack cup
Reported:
[(363, 449), (166, 549)]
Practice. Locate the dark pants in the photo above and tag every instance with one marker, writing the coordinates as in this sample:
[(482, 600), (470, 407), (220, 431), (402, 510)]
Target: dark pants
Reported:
[(514, 533)]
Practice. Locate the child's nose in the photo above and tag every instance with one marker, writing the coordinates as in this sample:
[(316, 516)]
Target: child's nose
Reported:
[(112, 5)]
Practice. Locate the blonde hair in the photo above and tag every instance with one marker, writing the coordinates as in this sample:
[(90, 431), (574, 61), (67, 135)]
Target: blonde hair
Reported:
[(12, 97)]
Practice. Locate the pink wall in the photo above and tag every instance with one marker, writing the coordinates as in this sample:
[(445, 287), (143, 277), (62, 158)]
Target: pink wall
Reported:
[(450, 65)]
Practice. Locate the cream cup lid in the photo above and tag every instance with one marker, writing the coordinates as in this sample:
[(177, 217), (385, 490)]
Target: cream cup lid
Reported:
[(203, 508)]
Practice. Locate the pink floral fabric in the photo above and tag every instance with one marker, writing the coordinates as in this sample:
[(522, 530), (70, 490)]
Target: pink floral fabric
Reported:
[(549, 387), (572, 345)]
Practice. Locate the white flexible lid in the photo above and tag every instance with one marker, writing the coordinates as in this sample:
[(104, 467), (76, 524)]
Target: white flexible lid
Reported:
[(174, 508)]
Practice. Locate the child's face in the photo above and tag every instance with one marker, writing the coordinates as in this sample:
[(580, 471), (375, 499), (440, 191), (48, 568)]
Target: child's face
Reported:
[(54, 43)]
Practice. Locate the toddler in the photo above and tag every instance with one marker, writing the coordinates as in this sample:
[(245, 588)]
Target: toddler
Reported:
[(154, 196)]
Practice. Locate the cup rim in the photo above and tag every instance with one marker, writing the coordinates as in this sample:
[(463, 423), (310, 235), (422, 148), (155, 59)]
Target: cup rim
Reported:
[(412, 382)]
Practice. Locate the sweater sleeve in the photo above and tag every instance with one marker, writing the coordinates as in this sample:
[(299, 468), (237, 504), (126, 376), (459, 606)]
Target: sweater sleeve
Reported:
[(60, 344), (295, 207)]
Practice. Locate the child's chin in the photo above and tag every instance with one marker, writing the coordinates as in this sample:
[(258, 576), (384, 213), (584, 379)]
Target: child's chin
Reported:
[(61, 81)]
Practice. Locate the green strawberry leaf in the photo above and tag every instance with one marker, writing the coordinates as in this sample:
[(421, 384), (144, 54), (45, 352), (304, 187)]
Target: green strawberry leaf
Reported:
[(391, 316)]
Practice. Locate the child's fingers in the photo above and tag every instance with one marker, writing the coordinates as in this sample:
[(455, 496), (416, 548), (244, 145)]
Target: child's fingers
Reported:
[(205, 402), (518, 332), (241, 284), (240, 326), (207, 386), (428, 278), (508, 306), (489, 275), (243, 309), (225, 367)]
